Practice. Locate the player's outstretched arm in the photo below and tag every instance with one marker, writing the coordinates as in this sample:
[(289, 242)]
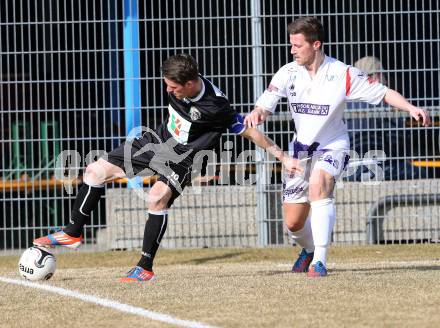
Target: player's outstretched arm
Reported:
[(395, 99), (291, 164), (256, 117)]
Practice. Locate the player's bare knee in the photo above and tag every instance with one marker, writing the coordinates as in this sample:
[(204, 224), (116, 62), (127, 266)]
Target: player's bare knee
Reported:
[(157, 203), (101, 171), (295, 215), (159, 197), (294, 225), (318, 192), (95, 174), (313, 196)]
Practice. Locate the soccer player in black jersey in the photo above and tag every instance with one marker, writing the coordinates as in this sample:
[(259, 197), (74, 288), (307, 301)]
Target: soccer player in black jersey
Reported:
[(198, 114)]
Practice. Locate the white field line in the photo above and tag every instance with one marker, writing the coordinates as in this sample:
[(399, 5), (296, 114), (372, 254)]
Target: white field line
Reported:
[(108, 303)]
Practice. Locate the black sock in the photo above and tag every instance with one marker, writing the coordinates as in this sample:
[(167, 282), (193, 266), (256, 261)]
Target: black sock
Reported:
[(154, 230), (85, 202)]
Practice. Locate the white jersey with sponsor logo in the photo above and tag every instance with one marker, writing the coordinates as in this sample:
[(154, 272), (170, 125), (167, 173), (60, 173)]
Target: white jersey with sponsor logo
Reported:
[(317, 104)]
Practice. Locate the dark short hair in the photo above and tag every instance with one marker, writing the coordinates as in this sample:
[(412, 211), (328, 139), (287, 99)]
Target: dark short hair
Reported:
[(180, 68), (310, 27)]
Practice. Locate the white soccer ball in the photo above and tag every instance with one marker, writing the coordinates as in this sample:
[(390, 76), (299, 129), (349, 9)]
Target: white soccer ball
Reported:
[(37, 263)]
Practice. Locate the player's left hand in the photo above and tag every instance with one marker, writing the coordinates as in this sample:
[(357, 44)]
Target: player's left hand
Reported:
[(256, 117), (292, 164), (420, 113)]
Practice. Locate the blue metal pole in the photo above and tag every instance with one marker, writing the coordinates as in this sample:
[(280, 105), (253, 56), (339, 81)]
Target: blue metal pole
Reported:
[(114, 84), (131, 74)]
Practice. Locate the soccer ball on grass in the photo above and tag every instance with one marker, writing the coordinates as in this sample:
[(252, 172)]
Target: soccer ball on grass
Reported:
[(36, 264)]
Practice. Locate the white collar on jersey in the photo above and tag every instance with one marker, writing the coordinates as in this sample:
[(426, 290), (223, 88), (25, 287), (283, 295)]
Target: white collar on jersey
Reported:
[(196, 98)]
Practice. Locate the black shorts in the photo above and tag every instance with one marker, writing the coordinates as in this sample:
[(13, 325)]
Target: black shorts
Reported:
[(147, 156)]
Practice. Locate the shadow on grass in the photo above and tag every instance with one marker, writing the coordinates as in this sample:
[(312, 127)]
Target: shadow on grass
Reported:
[(252, 275), (390, 268), (273, 272), (207, 259), (368, 271), (69, 279)]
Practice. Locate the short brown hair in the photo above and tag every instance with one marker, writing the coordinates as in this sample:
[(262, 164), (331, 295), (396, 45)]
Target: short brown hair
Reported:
[(310, 27), (180, 68)]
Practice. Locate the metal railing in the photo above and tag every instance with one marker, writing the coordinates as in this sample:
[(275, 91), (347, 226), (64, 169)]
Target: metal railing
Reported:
[(63, 86)]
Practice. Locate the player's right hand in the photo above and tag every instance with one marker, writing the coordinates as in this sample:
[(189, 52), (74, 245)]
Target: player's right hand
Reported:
[(420, 114), (256, 117)]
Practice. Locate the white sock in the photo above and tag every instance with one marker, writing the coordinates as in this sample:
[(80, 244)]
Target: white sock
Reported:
[(322, 222), (304, 237)]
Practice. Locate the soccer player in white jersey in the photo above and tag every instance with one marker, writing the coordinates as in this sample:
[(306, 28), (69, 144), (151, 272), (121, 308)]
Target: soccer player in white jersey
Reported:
[(317, 88)]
